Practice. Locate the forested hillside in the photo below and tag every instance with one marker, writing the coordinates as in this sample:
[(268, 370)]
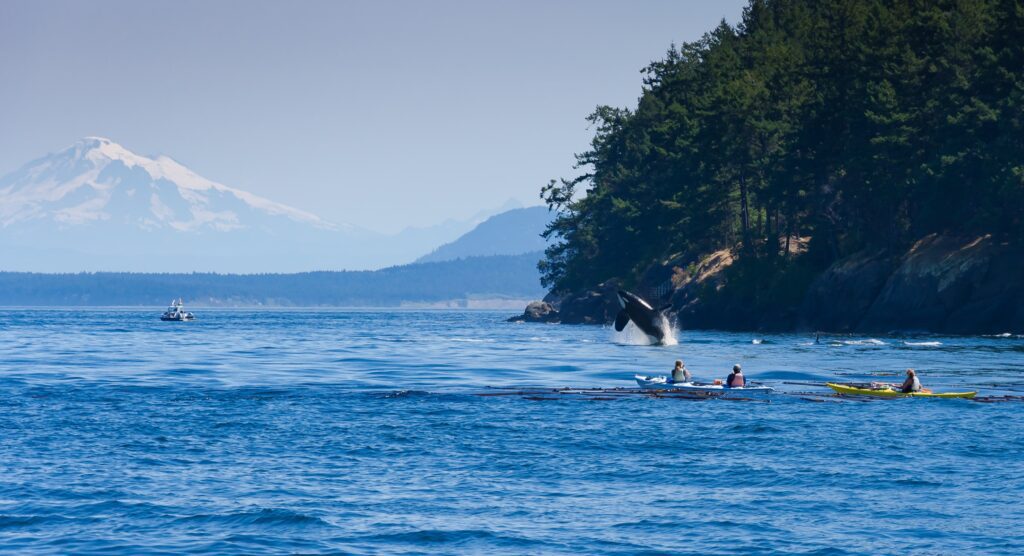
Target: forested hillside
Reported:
[(476, 277), (858, 124), (844, 126)]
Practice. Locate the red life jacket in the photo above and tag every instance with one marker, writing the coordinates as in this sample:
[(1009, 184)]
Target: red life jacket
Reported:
[(736, 380)]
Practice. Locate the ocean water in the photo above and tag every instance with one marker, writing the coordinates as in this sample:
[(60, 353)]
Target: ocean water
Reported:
[(425, 432)]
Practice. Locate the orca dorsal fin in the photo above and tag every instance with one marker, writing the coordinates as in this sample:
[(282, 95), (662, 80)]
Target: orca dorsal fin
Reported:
[(621, 320)]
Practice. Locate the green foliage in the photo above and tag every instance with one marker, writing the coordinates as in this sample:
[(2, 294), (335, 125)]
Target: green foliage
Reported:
[(765, 285), (861, 123)]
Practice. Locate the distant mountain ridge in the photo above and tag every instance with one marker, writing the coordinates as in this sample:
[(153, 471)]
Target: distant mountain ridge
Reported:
[(98, 206), (511, 232)]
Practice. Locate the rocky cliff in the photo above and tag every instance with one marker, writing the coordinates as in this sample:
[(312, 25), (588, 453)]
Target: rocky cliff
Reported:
[(943, 284), (953, 285)]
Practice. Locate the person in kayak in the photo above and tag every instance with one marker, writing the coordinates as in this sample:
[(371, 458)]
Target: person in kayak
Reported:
[(680, 373), (736, 379), (912, 384)]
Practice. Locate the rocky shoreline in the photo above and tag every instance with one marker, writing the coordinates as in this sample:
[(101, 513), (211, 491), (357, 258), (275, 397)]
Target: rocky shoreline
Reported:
[(942, 284)]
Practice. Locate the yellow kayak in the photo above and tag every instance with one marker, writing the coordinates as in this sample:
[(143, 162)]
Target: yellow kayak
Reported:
[(890, 393)]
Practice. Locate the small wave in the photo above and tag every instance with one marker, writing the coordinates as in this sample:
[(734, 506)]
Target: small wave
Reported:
[(754, 429), (271, 516), (923, 344), (475, 340), (757, 341), (867, 342), (916, 482), (648, 523), (187, 371), (276, 516), (403, 394), (787, 375), (21, 520), (441, 536), (466, 540)]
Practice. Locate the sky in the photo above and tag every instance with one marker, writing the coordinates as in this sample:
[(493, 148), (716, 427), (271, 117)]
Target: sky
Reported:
[(379, 114)]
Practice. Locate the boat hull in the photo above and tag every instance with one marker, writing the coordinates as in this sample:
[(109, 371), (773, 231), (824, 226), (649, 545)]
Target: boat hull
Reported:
[(890, 393), (662, 383)]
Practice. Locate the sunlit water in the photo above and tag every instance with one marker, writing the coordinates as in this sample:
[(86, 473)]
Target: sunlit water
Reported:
[(365, 432)]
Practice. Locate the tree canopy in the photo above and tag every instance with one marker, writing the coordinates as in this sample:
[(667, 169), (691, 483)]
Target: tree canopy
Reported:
[(858, 123)]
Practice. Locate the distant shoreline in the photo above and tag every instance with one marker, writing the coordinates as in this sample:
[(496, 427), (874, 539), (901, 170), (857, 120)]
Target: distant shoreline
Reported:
[(276, 308), (499, 281)]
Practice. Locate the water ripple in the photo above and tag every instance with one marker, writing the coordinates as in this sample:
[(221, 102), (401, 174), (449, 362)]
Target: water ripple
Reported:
[(362, 432)]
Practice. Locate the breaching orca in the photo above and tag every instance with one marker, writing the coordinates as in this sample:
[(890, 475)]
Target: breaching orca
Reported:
[(652, 322)]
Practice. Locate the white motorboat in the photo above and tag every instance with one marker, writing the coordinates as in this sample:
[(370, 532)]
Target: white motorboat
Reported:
[(176, 312)]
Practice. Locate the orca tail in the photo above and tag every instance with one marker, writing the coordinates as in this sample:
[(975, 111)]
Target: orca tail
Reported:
[(621, 320)]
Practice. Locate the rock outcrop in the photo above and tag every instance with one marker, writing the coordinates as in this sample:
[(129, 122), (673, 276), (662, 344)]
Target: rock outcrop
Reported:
[(840, 297), (953, 285), (693, 288), (537, 311), (596, 306), (942, 284)]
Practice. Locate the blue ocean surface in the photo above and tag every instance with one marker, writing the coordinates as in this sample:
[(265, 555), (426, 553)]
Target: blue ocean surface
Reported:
[(431, 432)]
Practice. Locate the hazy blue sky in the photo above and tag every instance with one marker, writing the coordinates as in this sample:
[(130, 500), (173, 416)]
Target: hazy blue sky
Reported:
[(380, 114)]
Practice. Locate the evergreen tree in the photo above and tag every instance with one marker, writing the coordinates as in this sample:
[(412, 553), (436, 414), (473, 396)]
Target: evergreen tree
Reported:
[(864, 124)]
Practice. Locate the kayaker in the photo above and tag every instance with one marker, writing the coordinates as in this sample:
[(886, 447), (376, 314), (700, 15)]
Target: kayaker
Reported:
[(736, 379), (912, 384), (680, 373)]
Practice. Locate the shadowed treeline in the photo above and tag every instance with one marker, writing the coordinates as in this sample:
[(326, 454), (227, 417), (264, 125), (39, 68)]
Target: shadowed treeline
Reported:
[(511, 276)]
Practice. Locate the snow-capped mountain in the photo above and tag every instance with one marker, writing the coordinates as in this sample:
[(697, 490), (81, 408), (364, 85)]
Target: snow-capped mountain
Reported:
[(98, 180), (98, 206)]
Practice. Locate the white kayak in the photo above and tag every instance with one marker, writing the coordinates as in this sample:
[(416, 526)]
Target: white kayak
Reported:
[(663, 383)]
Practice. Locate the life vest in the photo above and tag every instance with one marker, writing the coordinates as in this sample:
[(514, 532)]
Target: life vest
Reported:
[(736, 380)]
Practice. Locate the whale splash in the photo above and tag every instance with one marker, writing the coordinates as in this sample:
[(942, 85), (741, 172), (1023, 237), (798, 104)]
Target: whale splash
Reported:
[(631, 335), (644, 319)]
